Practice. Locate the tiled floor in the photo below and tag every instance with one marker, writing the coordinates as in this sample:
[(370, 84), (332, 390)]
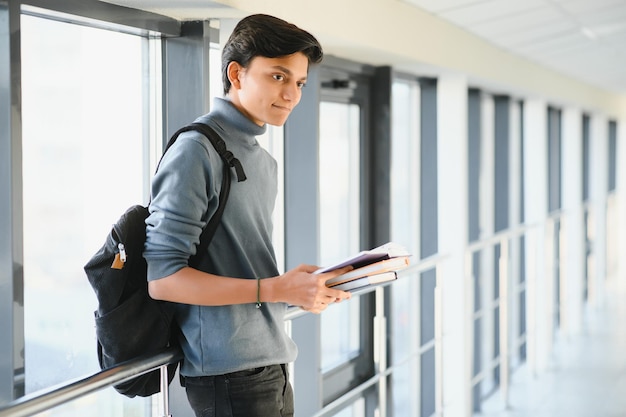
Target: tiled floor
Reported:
[(587, 375)]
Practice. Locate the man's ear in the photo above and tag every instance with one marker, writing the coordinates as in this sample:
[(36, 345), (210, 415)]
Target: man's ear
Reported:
[(234, 71)]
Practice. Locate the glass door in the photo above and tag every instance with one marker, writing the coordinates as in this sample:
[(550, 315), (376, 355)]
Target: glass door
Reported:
[(346, 353)]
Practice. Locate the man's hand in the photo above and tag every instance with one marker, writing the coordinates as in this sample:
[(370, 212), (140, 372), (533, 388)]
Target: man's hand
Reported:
[(301, 287)]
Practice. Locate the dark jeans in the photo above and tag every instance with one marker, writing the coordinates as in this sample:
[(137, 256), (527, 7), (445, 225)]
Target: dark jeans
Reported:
[(259, 392)]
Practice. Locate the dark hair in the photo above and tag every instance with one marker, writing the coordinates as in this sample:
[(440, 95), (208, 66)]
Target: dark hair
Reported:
[(266, 36)]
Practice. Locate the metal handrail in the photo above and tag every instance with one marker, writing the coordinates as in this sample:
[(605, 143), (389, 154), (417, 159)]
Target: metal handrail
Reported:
[(503, 239), (383, 369), (498, 237), (46, 399)]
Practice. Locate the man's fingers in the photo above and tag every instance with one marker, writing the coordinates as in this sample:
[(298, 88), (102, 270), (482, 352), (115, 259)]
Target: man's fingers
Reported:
[(308, 268), (338, 295)]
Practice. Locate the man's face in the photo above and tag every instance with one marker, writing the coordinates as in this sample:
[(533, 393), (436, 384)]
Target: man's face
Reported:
[(269, 88)]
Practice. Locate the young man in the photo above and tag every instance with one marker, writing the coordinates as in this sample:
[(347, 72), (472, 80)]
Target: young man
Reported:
[(231, 309)]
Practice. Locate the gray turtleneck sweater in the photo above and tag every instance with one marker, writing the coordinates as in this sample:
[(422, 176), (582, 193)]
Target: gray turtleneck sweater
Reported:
[(220, 339)]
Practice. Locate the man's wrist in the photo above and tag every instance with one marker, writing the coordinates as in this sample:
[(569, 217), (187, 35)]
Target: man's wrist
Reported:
[(267, 290)]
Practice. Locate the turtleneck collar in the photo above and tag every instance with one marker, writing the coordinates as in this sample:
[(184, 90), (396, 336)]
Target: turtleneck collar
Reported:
[(226, 112)]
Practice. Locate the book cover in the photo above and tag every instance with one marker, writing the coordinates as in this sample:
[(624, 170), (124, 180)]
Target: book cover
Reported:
[(387, 251)]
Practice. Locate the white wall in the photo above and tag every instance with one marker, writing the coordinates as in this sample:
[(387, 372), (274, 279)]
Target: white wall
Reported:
[(392, 32)]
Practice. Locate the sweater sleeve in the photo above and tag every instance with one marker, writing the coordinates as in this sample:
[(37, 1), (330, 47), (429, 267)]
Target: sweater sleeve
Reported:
[(184, 196)]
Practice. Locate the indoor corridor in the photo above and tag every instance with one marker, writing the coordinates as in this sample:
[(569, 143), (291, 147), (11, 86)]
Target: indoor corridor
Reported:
[(586, 375), (487, 137)]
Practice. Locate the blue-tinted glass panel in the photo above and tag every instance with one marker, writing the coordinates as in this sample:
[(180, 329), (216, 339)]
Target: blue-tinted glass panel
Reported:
[(339, 222)]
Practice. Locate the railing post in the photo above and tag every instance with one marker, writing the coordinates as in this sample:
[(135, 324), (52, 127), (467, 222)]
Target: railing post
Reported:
[(380, 350), (438, 343), (550, 288), (504, 321), (469, 333), (165, 392), (531, 301), (564, 314)]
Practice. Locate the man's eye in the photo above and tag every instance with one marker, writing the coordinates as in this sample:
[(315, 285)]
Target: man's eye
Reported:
[(278, 77), (301, 84)]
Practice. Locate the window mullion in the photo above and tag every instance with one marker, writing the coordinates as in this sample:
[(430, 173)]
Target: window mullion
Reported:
[(11, 202)]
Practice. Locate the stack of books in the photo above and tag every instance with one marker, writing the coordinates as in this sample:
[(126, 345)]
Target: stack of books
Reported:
[(372, 267)]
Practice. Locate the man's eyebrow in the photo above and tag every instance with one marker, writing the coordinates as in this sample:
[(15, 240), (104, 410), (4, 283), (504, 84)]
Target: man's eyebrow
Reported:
[(286, 71)]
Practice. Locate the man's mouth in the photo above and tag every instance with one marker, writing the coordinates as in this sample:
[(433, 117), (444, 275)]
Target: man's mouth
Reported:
[(284, 108)]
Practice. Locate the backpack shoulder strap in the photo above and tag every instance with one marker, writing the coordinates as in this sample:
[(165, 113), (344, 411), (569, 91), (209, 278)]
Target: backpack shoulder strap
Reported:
[(229, 161), (220, 146), (217, 142)]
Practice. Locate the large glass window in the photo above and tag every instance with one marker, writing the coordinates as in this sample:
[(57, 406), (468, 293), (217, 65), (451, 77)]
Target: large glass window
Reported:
[(85, 134)]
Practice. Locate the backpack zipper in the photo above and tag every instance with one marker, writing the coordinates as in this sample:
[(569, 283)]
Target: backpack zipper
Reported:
[(122, 249)]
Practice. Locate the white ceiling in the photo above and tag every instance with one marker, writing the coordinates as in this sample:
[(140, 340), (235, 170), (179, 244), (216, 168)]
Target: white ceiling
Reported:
[(585, 39)]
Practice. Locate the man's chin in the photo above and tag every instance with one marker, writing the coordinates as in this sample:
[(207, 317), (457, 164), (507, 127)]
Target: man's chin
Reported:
[(277, 122)]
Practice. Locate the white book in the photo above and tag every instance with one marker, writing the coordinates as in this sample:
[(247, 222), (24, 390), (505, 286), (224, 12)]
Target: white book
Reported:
[(359, 283), (386, 265)]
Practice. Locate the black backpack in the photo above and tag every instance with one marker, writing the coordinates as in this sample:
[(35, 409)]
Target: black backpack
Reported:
[(129, 323)]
